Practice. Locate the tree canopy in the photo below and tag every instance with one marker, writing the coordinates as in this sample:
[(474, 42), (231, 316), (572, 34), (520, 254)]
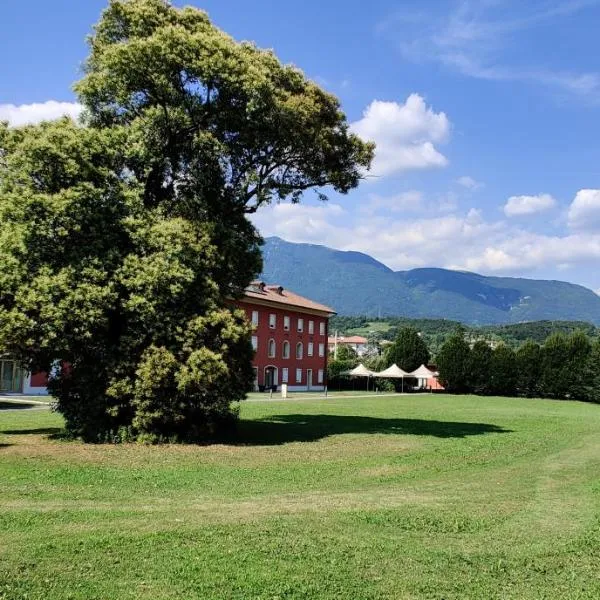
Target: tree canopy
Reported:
[(408, 351), (125, 238)]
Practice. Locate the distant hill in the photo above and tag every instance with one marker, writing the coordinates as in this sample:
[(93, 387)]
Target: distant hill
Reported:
[(356, 284)]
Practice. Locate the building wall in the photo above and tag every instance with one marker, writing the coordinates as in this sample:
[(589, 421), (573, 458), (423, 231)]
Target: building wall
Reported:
[(263, 332), (35, 384)]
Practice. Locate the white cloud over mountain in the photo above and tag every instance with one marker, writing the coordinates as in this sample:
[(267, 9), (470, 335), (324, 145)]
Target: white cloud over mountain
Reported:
[(459, 241), (518, 206), (584, 212), (405, 135), (23, 114)]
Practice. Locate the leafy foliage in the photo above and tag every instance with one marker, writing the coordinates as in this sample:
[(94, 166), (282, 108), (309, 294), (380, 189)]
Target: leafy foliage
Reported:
[(529, 369), (503, 373), (408, 351), (454, 361), (480, 362), (124, 239)]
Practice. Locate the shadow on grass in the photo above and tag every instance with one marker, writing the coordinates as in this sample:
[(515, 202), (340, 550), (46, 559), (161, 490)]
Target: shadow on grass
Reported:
[(19, 405), (53, 432), (280, 429)]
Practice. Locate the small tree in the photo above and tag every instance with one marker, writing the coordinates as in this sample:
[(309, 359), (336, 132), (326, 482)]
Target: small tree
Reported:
[(344, 353), (453, 362), (480, 360), (529, 369), (408, 350), (503, 371)]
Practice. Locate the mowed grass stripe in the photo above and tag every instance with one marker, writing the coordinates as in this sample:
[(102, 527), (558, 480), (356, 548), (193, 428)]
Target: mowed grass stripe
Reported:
[(392, 497)]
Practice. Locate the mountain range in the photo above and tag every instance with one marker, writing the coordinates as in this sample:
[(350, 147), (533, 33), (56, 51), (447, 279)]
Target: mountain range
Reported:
[(353, 283)]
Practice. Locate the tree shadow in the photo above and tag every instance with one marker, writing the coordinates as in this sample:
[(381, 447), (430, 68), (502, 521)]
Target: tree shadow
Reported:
[(281, 429), (3, 445), (18, 405), (53, 432)]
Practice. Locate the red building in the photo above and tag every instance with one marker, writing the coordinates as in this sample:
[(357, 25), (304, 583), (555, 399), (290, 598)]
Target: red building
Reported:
[(289, 337)]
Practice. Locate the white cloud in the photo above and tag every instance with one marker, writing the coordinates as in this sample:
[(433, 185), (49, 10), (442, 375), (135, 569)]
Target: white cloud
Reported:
[(457, 241), (482, 39), (405, 135), (24, 114), (584, 212), (410, 201), (468, 182), (517, 206)]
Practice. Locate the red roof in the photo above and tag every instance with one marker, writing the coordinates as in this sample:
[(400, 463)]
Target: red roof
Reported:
[(276, 294)]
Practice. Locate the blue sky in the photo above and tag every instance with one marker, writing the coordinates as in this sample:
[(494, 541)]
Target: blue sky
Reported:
[(486, 115)]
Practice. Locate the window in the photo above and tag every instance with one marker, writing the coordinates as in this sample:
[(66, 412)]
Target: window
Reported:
[(284, 375), (298, 375), (310, 349), (272, 320), (322, 327), (311, 327), (320, 376), (255, 318), (299, 350), (300, 325), (271, 348), (286, 349), (321, 349), (254, 342), (286, 323)]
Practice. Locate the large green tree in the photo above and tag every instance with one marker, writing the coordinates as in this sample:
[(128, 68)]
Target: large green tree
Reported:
[(565, 359), (529, 369), (409, 351), (503, 371), (125, 238), (480, 359), (453, 362)]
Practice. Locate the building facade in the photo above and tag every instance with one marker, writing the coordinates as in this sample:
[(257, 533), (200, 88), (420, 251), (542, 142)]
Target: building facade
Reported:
[(289, 337), (358, 343)]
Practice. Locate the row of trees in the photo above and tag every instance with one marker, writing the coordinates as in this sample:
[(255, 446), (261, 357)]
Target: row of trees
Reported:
[(564, 366)]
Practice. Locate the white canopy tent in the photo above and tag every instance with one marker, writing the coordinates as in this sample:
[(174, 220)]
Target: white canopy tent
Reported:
[(361, 371), (422, 373), (394, 372)]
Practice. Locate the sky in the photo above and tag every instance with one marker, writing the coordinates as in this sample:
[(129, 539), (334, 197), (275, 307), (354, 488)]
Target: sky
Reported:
[(486, 116)]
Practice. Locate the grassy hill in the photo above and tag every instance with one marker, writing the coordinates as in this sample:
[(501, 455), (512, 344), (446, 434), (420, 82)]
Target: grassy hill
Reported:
[(356, 284)]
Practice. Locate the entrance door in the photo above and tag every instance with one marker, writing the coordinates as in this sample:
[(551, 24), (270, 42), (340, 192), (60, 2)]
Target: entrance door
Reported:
[(309, 378), (270, 377), (11, 376)]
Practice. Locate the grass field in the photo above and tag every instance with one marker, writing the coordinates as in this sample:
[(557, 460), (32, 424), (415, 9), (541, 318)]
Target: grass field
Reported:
[(357, 498), (373, 326)]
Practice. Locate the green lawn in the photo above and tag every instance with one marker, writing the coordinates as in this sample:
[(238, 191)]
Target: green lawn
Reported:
[(390, 497)]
